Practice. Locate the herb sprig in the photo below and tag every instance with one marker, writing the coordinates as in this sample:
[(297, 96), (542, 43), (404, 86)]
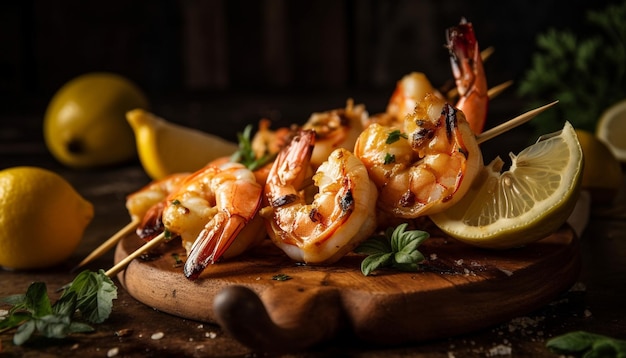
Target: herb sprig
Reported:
[(245, 155), (585, 71), (397, 249), (88, 297), (587, 344)]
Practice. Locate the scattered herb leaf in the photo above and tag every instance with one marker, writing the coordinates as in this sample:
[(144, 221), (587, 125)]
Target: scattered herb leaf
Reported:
[(177, 261), (245, 155), (397, 249), (587, 344), (281, 277), (89, 296), (389, 158), (395, 136)]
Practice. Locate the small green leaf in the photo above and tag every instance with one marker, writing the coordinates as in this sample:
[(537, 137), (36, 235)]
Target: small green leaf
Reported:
[(246, 155), (281, 277), (587, 344), (389, 158), (375, 261), (24, 332), (375, 245), (79, 327), (95, 294), (395, 136), (13, 320), (397, 248), (37, 301), (53, 326), (14, 300)]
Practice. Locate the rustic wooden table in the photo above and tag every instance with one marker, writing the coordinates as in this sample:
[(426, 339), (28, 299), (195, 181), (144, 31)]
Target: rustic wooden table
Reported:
[(595, 303)]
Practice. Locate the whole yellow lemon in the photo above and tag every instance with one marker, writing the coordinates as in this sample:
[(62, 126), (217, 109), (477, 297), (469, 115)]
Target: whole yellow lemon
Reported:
[(602, 173), (85, 122), (42, 218)]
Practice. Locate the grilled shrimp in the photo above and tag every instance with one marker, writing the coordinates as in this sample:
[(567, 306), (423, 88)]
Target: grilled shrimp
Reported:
[(146, 204), (336, 128), (409, 90), (214, 212), (341, 214), (425, 167), (469, 75)]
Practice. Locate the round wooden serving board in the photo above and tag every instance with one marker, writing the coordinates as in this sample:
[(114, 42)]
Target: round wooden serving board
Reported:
[(460, 289)]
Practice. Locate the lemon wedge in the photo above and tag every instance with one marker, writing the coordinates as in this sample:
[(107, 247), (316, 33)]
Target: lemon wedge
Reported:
[(166, 148), (527, 202), (612, 127)]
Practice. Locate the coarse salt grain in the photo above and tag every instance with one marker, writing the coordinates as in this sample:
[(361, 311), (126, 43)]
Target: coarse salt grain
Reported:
[(157, 335), (211, 335), (433, 257), (500, 350), (113, 352)]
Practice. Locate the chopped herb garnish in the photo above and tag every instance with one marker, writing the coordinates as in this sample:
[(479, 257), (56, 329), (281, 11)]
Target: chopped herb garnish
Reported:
[(177, 261), (245, 155), (89, 297), (397, 249), (175, 202), (281, 277), (585, 344), (389, 158), (395, 136)]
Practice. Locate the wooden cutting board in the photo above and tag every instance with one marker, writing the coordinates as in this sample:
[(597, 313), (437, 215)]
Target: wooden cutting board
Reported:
[(461, 289)]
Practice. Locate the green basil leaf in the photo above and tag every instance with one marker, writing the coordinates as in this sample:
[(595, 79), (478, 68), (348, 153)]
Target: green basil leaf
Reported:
[(374, 262), (23, 333), (37, 301), (95, 294), (53, 326), (78, 327), (13, 320), (374, 245)]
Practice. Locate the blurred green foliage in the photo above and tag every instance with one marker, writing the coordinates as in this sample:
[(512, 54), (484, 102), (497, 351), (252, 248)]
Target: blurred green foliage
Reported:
[(585, 72)]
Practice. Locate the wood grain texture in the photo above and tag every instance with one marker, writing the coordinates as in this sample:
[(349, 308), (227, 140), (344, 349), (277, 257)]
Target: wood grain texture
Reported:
[(459, 290)]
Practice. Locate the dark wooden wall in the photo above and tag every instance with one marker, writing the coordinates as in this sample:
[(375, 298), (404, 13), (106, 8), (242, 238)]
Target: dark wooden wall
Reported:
[(172, 46)]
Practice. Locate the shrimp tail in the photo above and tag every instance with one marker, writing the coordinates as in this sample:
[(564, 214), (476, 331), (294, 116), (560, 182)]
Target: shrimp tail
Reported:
[(212, 243), (152, 223), (469, 74)]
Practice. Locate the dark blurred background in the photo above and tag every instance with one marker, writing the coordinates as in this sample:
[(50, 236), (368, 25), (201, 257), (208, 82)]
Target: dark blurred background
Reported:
[(198, 59)]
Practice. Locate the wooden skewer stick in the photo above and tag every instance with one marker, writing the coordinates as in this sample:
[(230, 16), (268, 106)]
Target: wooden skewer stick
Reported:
[(495, 91), (140, 251), (486, 53), (109, 244), (519, 120)]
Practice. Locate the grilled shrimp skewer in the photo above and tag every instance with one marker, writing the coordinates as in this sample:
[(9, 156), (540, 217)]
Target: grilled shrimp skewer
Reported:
[(139, 205), (341, 215), (425, 167), (213, 211)]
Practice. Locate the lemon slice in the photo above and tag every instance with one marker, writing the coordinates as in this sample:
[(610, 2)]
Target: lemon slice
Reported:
[(612, 127), (523, 204), (166, 148)]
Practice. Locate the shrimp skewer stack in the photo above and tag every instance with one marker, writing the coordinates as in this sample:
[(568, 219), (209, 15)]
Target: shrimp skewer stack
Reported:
[(212, 209), (341, 214), (427, 166)]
